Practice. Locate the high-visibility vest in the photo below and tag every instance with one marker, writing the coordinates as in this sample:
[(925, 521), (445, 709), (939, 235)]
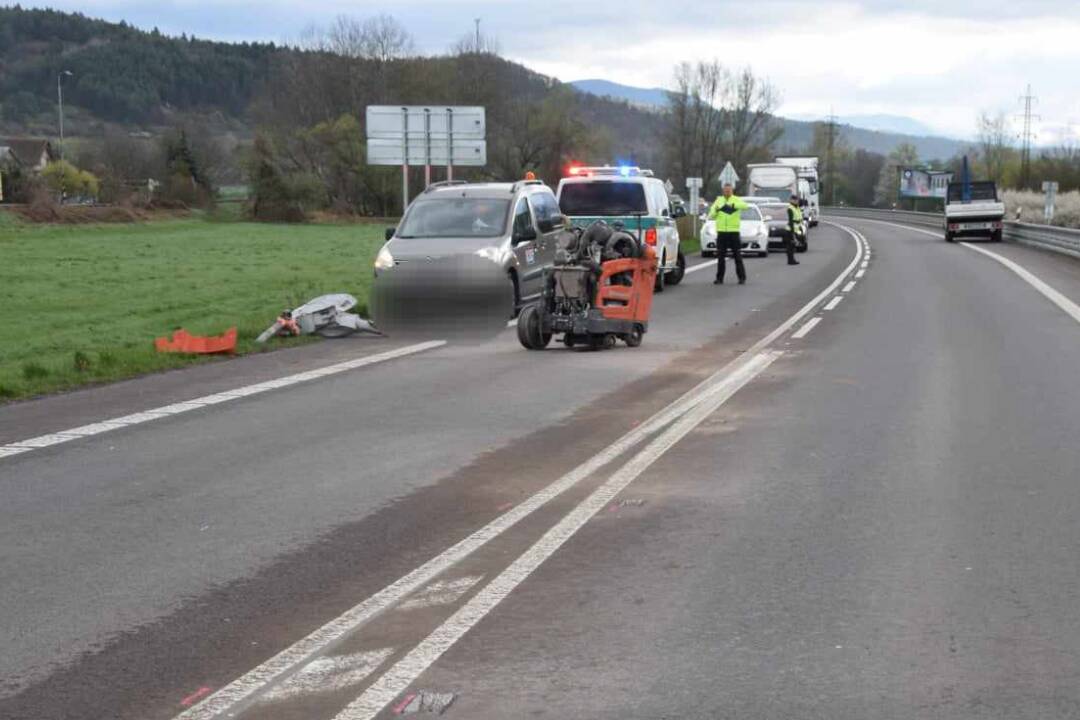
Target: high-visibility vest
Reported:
[(727, 213)]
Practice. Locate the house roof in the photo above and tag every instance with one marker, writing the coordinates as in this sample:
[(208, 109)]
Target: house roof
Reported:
[(27, 150)]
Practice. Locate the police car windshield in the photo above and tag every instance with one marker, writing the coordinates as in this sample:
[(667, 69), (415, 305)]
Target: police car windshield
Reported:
[(603, 197), (455, 217)]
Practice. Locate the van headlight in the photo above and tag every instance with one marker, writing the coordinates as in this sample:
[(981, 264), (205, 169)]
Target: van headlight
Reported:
[(384, 260)]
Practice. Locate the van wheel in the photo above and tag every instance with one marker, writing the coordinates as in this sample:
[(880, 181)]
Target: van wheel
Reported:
[(996, 236), (658, 284), (675, 276)]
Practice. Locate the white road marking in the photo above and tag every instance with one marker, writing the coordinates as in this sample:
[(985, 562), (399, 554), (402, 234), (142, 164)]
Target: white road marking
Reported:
[(834, 302), (443, 592), (701, 266), (805, 329), (329, 674), (860, 273), (238, 691), (1071, 308), (157, 413), (849, 286), (403, 673)]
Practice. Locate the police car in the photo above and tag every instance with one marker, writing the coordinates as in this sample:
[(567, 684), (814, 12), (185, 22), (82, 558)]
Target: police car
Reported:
[(630, 196)]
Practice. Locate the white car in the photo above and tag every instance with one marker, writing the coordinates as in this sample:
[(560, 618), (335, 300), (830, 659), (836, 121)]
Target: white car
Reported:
[(633, 197), (753, 234)]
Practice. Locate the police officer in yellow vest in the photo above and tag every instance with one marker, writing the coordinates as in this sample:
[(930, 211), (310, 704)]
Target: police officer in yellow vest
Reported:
[(726, 212), (794, 228)]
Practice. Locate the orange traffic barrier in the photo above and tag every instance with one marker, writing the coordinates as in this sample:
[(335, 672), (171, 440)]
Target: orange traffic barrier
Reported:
[(184, 342)]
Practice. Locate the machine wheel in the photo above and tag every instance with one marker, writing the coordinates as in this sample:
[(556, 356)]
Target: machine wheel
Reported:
[(529, 331), (658, 285), (568, 340), (675, 276), (633, 338), (996, 236)]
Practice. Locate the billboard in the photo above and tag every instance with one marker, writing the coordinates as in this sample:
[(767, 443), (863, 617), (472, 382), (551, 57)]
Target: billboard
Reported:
[(916, 183)]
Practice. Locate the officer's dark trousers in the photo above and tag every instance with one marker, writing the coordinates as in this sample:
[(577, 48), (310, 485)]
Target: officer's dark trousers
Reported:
[(729, 241), (789, 245)]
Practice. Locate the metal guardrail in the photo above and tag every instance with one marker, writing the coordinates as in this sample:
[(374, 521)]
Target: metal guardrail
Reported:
[(1048, 237)]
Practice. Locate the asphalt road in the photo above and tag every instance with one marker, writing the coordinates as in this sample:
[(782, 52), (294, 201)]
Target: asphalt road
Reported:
[(873, 515)]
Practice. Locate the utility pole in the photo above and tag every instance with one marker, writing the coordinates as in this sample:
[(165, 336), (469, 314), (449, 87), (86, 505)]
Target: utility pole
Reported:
[(60, 105), (1025, 153), (477, 21)]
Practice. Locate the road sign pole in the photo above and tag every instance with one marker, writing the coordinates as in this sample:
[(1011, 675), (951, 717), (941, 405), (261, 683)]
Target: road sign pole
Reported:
[(427, 148), (449, 143), (405, 160)]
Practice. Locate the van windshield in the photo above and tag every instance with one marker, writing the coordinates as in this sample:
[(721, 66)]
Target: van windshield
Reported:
[(456, 217), (603, 198)]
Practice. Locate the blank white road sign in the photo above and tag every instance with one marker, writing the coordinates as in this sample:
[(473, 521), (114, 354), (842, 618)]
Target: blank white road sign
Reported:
[(391, 152), (393, 121)]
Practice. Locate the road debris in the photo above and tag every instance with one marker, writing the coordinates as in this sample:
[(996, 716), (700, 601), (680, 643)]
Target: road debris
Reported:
[(424, 701), (326, 315), (184, 342)]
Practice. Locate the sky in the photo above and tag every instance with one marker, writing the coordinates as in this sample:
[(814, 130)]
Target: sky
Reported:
[(940, 62)]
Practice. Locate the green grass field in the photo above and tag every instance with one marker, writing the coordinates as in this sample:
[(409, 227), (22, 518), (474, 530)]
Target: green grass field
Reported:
[(83, 304)]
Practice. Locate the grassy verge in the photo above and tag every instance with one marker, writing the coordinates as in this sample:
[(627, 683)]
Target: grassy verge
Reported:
[(83, 304)]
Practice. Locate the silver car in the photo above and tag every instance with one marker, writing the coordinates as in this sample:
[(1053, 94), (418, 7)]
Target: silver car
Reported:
[(509, 226)]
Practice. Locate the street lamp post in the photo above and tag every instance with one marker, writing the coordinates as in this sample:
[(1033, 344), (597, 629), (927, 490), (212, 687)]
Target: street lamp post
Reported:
[(60, 103)]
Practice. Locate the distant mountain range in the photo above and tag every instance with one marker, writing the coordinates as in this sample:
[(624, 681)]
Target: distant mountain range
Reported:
[(877, 132)]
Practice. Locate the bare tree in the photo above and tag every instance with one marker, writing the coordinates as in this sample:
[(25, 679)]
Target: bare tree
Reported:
[(751, 117), (698, 119), (995, 144), (381, 38)]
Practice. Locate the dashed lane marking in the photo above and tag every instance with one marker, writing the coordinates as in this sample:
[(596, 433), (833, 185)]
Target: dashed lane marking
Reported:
[(834, 302), (860, 274), (1051, 294), (848, 288), (146, 416)]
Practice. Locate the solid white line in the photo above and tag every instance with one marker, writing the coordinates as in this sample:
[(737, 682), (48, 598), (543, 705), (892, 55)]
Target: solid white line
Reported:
[(157, 413), (805, 329), (701, 266), (403, 673), (834, 302), (1071, 308), (849, 286), (860, 273), (277, 667), (1054, 296)]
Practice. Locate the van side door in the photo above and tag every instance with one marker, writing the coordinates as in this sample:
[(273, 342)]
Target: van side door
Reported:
[(525, 241)]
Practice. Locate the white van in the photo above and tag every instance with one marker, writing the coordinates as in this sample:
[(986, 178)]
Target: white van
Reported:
[(633, 197)]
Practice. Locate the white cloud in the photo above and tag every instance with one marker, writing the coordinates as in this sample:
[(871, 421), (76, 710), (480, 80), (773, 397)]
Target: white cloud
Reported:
[(938, 62)]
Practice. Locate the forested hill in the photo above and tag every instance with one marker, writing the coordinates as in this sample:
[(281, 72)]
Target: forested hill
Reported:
[(120, 73)]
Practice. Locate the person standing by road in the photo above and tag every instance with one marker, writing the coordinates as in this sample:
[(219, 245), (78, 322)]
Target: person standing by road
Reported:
[(794, 229), (726, 212)]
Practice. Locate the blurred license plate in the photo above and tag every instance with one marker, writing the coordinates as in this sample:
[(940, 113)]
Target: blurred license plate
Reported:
[(977, 226)]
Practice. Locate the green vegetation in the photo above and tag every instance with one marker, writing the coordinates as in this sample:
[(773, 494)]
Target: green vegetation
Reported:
[(84, 303)]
